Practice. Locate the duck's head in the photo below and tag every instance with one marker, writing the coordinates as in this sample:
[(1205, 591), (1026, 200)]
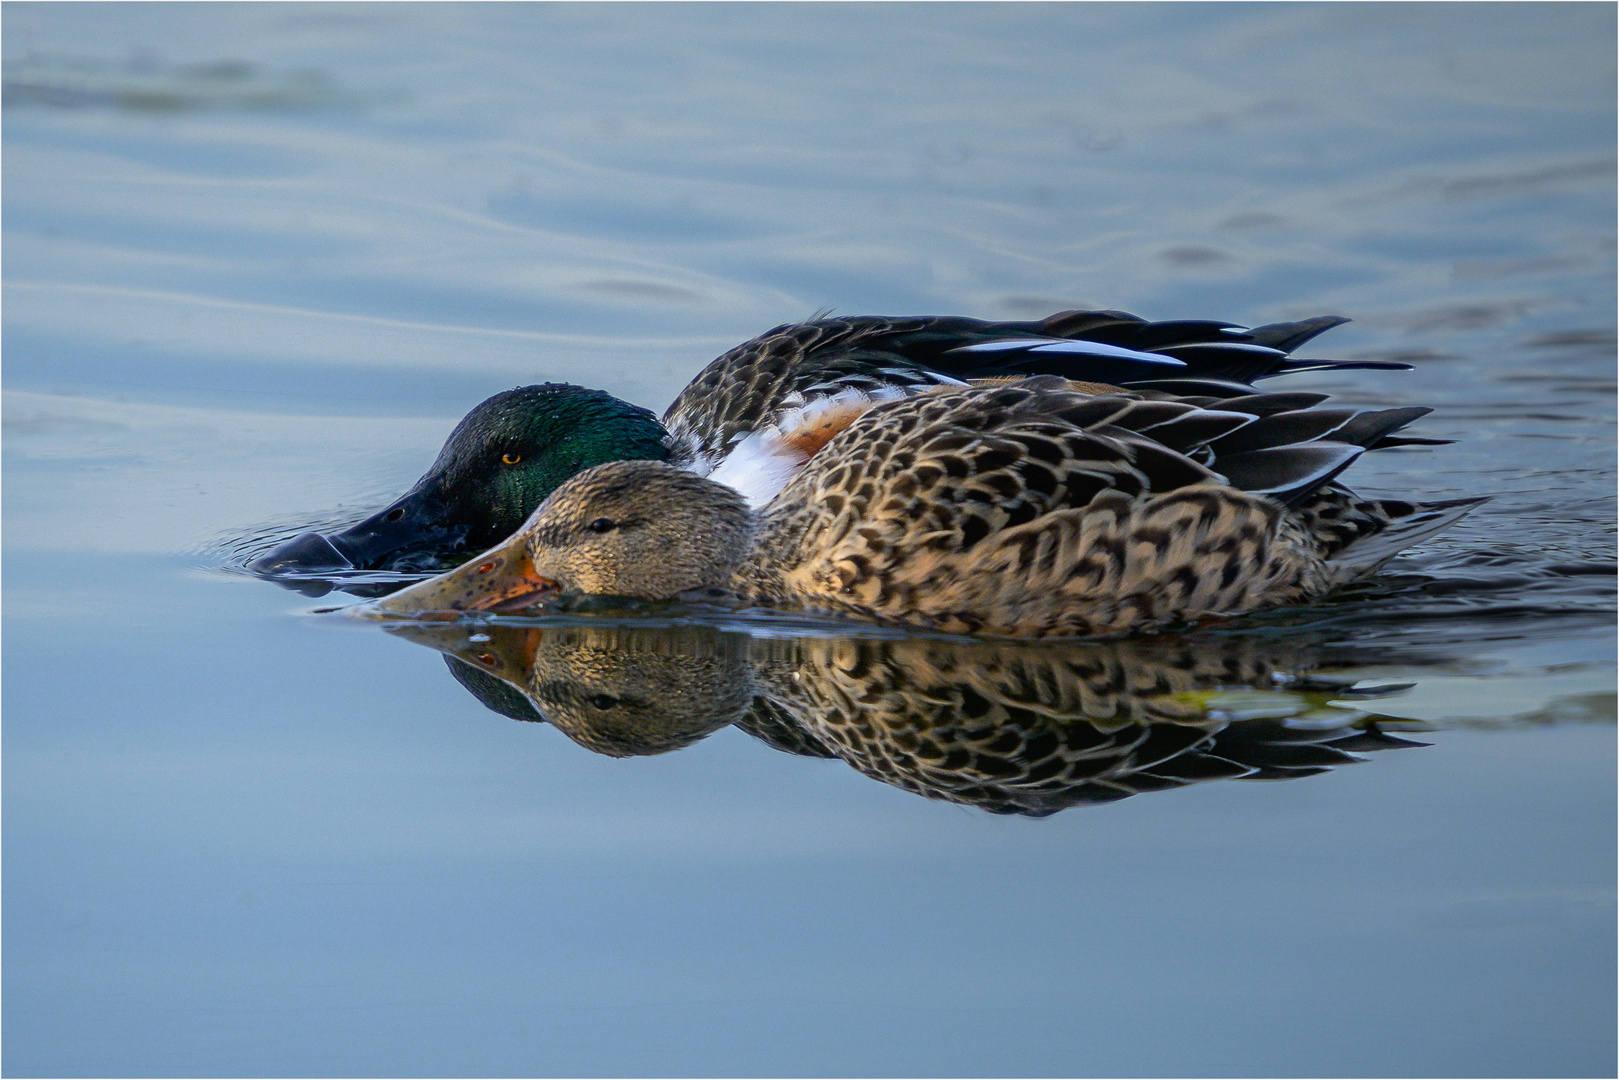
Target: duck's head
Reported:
[(499, 463), (639, 529)]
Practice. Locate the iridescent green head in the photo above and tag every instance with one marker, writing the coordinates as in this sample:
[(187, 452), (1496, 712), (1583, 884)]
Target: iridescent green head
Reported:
[(509, 453), (499, 463)]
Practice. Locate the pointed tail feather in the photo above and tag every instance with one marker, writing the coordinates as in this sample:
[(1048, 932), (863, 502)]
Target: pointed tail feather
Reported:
[(1365, 555), (1290, 335)]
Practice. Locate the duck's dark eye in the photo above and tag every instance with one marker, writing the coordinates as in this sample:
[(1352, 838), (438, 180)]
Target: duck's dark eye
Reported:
[(603, 701), (601, 525), (510, 459)]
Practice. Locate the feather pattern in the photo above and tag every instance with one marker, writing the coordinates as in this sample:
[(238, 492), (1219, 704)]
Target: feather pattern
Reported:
[(763, 399), (1031, 509)]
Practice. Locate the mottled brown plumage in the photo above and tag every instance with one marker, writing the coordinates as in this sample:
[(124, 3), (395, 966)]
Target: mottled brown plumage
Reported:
[(1026, 509), (1032, 509)]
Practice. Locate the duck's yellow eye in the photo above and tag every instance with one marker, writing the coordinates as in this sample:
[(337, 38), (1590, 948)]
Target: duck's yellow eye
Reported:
[(510, 459)]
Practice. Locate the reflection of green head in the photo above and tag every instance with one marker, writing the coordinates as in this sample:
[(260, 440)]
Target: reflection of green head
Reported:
[(495, 695), (510, 452)]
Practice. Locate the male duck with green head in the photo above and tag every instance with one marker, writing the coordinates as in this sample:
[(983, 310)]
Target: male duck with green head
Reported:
[(499, 463), (755, 415)]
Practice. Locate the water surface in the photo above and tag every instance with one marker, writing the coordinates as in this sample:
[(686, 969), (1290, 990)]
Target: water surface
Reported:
[(260, 258)]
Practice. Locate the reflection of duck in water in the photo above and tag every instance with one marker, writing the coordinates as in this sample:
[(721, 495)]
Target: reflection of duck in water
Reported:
[(1032, 730), (752, 417), (617, 691), (1011, 728), (1023, 509)]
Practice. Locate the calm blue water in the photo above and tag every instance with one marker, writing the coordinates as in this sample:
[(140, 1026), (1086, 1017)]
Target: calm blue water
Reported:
[(259, 259)]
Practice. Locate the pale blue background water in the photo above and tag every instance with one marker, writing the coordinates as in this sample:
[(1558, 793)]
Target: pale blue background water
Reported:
[(259, 258)]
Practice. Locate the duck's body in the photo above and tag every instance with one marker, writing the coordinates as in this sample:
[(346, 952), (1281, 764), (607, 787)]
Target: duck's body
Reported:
[(756, 415), (1028, 508), (1031, 509)]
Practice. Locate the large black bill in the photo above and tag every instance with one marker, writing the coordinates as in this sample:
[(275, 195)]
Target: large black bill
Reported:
[(414, 534), (308, 553)]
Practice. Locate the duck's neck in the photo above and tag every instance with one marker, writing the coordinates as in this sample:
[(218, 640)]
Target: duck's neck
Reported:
[(779, 539)]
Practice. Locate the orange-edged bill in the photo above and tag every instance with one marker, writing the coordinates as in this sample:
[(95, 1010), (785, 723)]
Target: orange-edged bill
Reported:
[(501, 579)]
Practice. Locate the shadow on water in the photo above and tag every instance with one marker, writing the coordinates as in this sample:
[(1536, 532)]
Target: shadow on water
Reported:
[(1011, 728)]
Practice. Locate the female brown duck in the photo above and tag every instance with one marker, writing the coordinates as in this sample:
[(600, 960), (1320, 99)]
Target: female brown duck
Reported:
[(1028, 508)]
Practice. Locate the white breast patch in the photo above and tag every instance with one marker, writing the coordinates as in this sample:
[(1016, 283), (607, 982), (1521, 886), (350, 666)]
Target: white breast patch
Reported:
[(763, 462)]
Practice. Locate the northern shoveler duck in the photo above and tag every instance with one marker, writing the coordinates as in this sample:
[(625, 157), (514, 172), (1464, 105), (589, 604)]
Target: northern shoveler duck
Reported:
[(755, 415), (1026, 508)]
